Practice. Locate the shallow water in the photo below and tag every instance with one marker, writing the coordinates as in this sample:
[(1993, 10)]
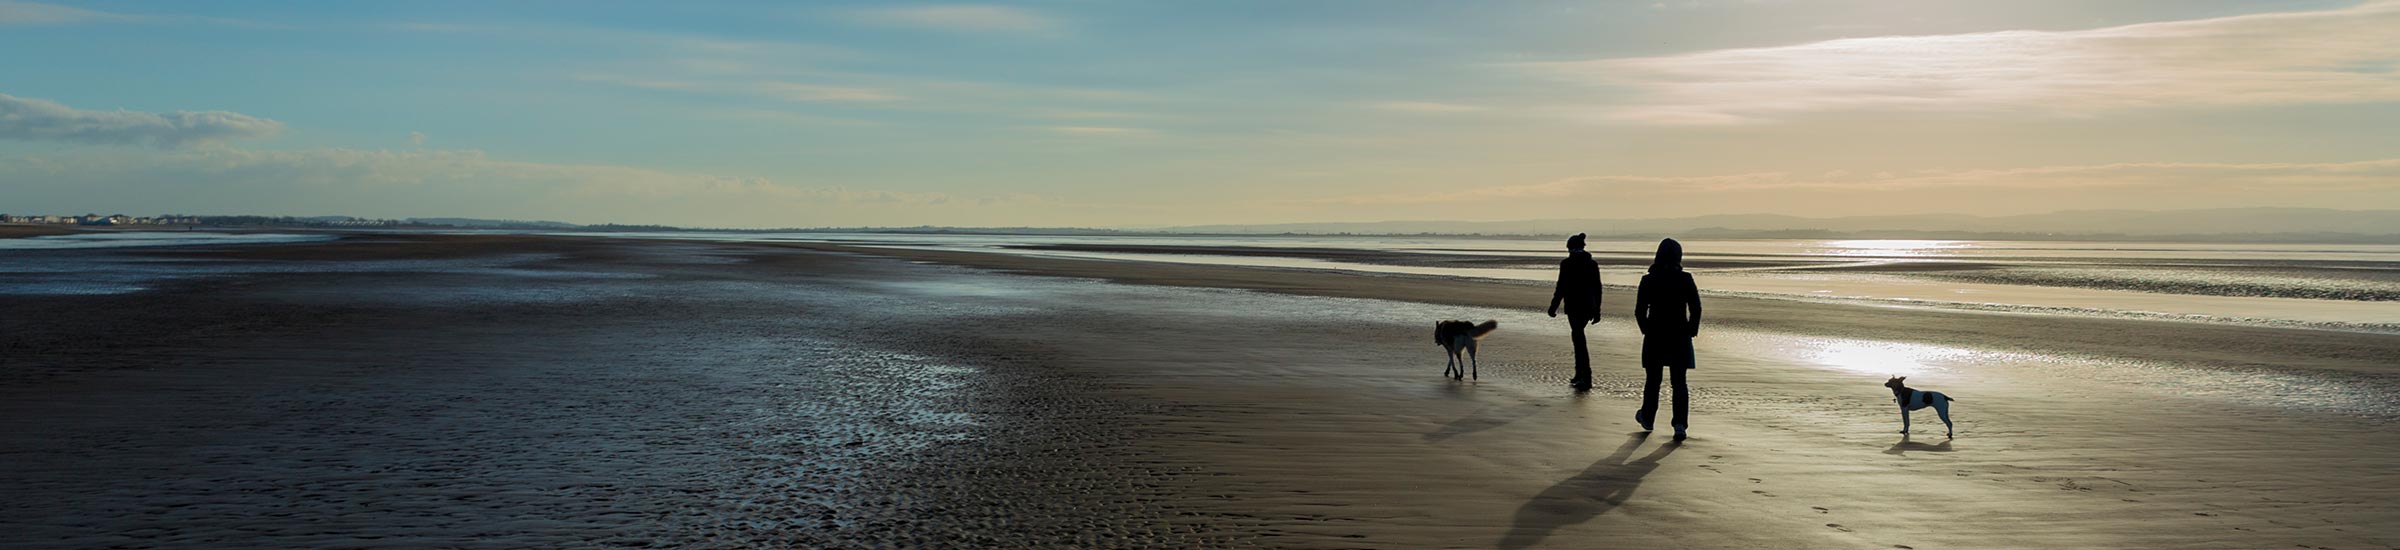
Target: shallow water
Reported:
[(130, 239), (1866, 360), (2351, 287)]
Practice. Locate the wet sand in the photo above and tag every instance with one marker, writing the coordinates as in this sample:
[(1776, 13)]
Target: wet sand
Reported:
[(1390, 257), (2335, 280), (10, 230), (572, 392)]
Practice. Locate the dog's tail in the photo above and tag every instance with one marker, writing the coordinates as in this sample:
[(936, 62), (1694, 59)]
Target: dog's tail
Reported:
[(1486, 328)]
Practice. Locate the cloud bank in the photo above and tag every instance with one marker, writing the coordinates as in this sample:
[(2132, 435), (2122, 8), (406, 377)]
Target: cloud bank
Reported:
[(2349, 55), (43, 120)]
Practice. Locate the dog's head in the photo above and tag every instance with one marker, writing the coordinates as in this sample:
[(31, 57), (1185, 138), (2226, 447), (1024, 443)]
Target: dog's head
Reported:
[(1895, 382)]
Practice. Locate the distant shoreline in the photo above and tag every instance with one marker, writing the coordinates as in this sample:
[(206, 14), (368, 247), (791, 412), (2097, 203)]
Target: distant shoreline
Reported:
[(2263, 225)]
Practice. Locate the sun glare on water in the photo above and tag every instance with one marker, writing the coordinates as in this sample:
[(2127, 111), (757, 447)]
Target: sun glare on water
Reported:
[(1871, 357), (1894, 247)]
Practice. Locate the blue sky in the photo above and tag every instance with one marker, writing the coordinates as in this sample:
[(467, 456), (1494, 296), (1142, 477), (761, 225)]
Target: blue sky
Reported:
[(1161, 113)]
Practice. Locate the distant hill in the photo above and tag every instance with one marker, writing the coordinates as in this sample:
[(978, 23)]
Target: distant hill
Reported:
[(477, 222), (2297, 223)]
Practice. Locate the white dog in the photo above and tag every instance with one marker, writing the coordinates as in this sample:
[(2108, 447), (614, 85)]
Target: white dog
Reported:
[(1456, 336), (1912, 399)]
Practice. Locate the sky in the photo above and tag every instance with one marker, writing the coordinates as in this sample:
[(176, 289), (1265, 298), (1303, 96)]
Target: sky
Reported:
[(1124, 113)]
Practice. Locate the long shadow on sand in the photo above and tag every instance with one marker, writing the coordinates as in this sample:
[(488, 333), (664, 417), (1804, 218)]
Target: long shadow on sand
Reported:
[(1904, 446), (1597, 490), (1490, 417)]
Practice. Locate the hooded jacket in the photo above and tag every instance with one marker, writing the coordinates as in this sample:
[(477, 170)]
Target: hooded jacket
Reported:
[(1660, 305)]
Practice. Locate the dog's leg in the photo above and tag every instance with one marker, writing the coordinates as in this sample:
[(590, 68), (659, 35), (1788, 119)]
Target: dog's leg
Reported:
[(1478, 363), (1903, 420), (1943, 408), (1449, 361)]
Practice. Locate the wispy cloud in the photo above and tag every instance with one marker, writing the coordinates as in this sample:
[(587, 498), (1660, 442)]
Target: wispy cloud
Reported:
[(1098, 130), (772, 89), (976, 18), (2349, 55), (30, 13), (39, 119), (588, 39), (35, 13), (1425, 107)]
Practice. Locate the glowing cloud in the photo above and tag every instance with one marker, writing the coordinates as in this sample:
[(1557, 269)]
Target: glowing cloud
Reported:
[(2347, 55)]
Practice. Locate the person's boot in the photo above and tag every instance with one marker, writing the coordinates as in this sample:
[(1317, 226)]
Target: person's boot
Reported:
[(1679, 432), (1643, 418)]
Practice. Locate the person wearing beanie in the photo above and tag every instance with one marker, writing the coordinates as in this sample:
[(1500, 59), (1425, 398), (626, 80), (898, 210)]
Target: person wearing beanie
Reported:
[(1660, 305), (1579, 290)]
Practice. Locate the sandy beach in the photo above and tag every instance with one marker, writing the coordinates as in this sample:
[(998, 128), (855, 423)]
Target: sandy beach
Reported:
[(396, 390), (11, 230)]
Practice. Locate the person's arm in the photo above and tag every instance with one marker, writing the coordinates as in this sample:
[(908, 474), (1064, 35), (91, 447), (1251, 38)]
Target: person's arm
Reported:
[(1694, 297), (1641, 307), (1597, 292), (1558, 291)]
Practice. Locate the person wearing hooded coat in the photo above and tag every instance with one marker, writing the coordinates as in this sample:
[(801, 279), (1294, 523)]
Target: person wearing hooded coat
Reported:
[(1579, 290), (1660, 305)]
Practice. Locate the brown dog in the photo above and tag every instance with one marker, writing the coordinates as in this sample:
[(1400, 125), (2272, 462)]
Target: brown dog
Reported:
[(1457, 336)]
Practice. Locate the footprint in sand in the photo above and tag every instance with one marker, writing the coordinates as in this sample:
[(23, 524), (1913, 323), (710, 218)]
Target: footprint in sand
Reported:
[(1821, 509), (1763, 494), (1838, 527), (1757, 480)]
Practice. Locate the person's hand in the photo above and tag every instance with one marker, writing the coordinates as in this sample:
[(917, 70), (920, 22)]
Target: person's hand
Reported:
[(1554, 312), (1595, 320)]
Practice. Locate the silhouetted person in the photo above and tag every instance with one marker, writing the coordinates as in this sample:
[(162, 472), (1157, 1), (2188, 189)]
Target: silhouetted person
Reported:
[(1579, 290), (1659, 306)]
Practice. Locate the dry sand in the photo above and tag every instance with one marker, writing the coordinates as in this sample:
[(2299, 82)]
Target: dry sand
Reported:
[(518, 391)]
